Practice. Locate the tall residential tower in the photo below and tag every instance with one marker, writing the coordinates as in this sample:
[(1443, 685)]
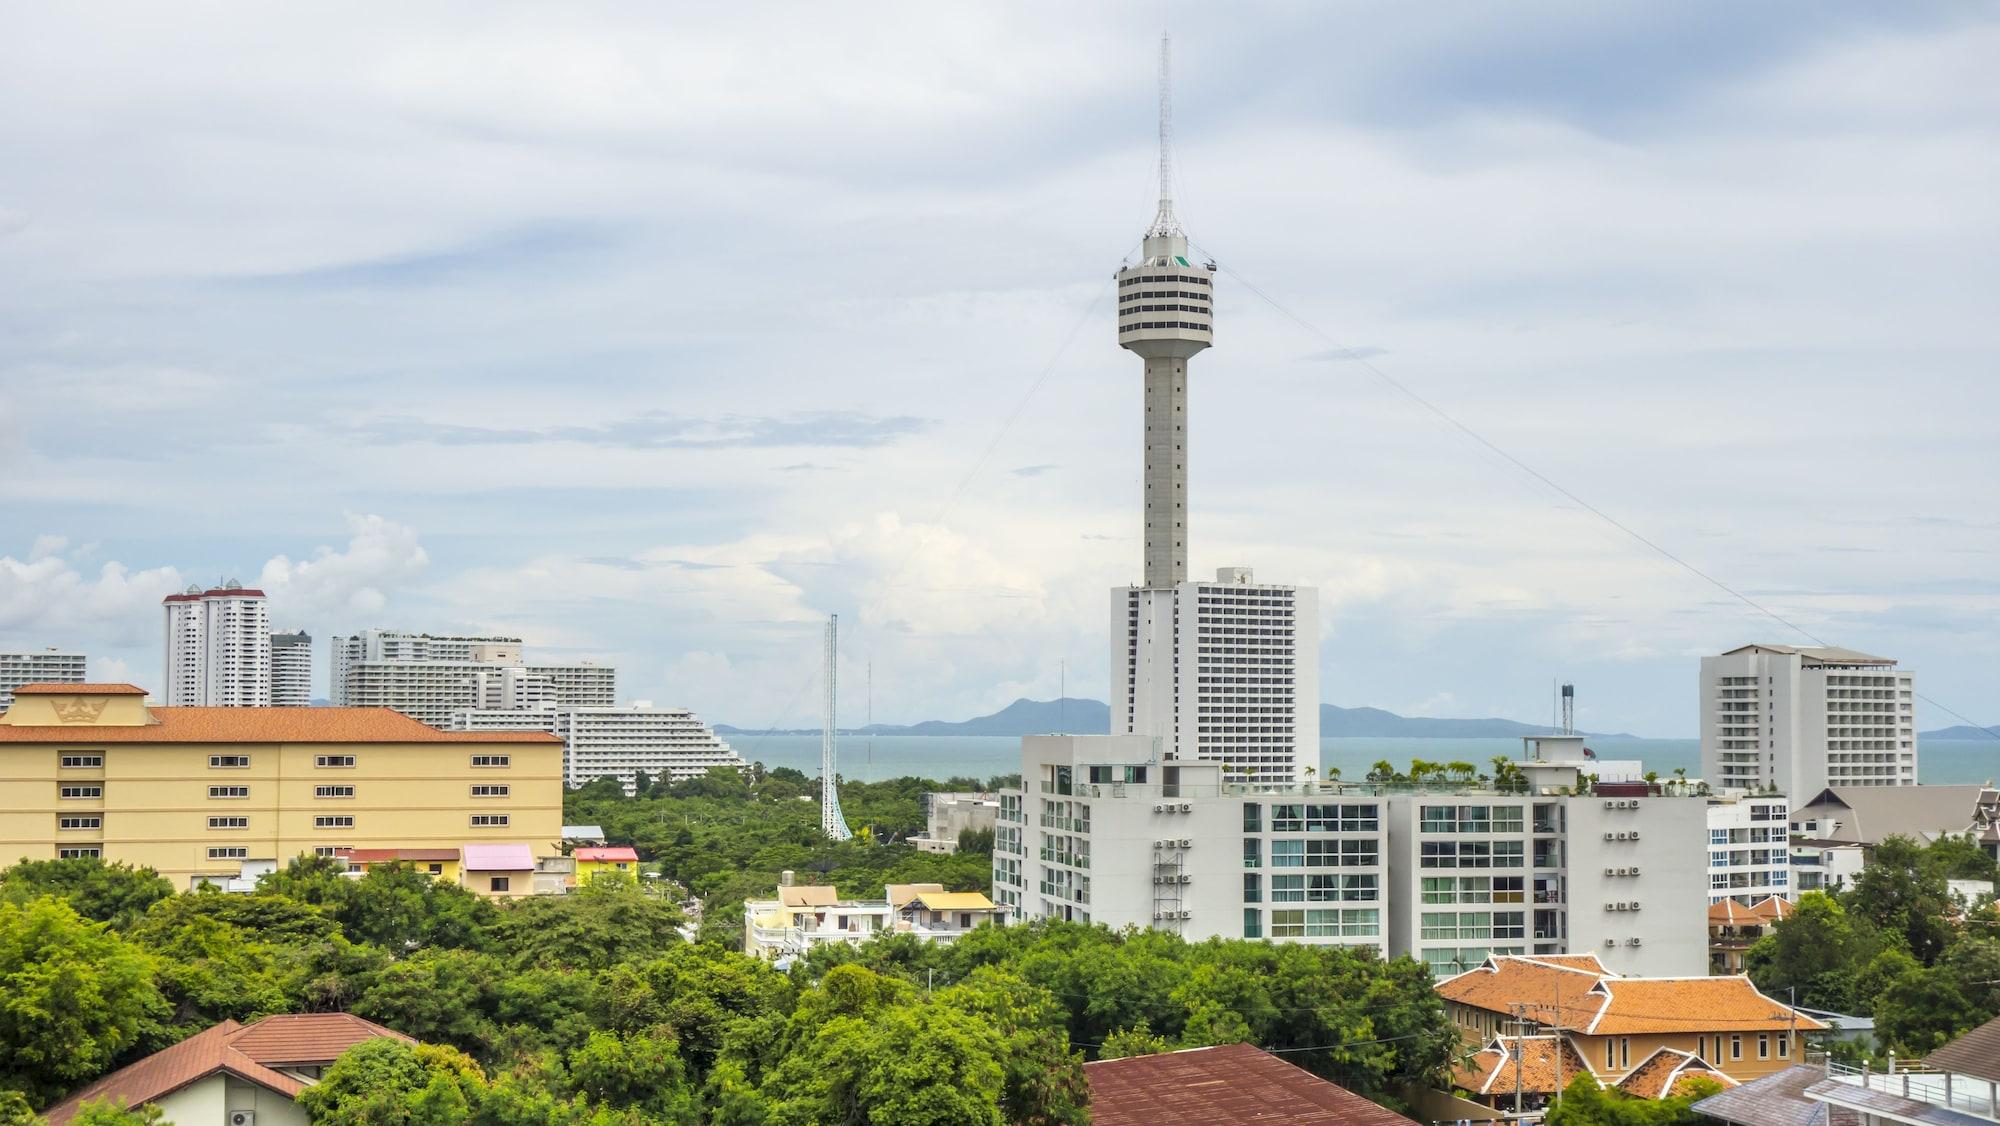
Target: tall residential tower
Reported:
[(218, 652), (1224, 671)]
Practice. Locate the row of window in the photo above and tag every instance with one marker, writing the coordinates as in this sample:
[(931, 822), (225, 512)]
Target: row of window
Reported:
[(1454, 925), (324, 821), (1471, 854), (238, 762), (1470, 819), (1288, 818), (1325, 922), (1149, 279), (1315, 888), (96, 790), (1313, 853), (1146, 294), (1138, 326)]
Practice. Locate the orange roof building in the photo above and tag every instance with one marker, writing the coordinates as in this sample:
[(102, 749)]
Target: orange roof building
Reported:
[(1621, 1026), (204, 795), (232, 1068), (1734, 927)]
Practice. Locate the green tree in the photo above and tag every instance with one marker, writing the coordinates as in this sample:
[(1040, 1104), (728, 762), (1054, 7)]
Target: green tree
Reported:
[(1923, 1010), (642, 1071), (608, 920), (109, 1112), (1814, 955), (1902, 892), (438, 996), (107, 893), (1138, 1041), (1043, 1082), (74, 996)]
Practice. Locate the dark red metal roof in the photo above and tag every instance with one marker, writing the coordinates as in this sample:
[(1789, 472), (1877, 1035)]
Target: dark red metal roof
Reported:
[(1223, 1085)]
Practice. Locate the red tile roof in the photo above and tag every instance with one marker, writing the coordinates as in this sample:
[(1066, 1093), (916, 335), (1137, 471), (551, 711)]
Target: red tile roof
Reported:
[(1222, 1086), (1491, 1069), (1604, 1004), (612, 853), (266, 725), (1767, 910), (47, 689), (248, 1052), (1663, 1073)]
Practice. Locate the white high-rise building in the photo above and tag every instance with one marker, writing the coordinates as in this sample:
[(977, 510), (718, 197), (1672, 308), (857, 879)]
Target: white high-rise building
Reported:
[(218, 648), (1108, 829), (1797, 719), (291, 669), (1749, 849), (665, 744), (47, 666), (429, 678), (1228, 671)]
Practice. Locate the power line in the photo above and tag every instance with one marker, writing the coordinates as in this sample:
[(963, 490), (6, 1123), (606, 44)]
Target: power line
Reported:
[(1452, 421)]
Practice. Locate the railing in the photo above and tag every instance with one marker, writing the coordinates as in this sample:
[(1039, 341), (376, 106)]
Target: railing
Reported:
[(1918, 1083)]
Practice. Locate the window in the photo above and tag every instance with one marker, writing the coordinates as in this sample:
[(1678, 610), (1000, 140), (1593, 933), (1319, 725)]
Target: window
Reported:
[(1288, 924), (1253, 888), (1610, 1061), (231, 761), (1288, 854), (1736, 1046), (1253, 856), (1288, 889), (78, 853), (229, 852), (497, 883), (492, 760), (489, 820), (229, 822), (333, 791), (342, 822), (1624, 1051), (1440, 889), (333, 760), (490, 791), (1507, 819), (1253, 819), (81, 791), (229, 791), (1507, 854), (1253, 923), (82, 762), (1763, 1046), (1785, 1047), (1438, 819), (1288, 818), (1359, 889), (326, 850)]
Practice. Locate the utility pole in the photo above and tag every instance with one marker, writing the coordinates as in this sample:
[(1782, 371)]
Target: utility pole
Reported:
[(1556, 1039), (1520, 1054)]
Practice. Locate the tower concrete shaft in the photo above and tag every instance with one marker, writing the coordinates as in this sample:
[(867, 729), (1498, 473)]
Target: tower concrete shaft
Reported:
[(1166, 471)]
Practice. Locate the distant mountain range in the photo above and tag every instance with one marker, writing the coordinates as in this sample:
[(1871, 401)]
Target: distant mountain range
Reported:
[(1093, 717), (1962, 731)]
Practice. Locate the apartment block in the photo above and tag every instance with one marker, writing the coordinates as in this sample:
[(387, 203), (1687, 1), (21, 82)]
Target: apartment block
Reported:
[(1749, 850), (1109, 829), (291, 669), (202, 793), (1224, 671), (46, 666), (218, 648), (665, 744), (429, 678), (1797, 719)]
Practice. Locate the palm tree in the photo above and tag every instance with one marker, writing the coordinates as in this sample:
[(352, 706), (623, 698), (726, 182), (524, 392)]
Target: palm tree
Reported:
[(1382, 771), (1461, 771)]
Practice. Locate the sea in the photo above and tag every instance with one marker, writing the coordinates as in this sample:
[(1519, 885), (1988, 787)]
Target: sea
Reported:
[(877, 758)]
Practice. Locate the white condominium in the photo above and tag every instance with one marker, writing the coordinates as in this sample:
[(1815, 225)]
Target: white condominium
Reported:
[(665, 744), (48, 666), (1749, 849), (1798, 719), (1224, 672), (218, 651), (430, 678), (1107, 829), (291, 670)]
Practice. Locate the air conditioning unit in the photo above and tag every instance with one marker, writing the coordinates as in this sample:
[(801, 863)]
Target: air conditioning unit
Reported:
[(1611, 805), (1635, 871), (1635, 834), (1187, 879), (1610, 942), (1187, 914), (1158, 808), (1610, 836), (1157, 915), (1635, 905), (242, 1118), (1186, 843), (1632, 942), (1187, 807), (1610, 871)]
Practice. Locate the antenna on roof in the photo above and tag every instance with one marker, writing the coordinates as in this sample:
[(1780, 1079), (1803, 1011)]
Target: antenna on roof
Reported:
[(1165, 223)]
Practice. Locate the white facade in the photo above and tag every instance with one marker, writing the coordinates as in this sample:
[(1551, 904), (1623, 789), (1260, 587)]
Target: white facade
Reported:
[(1224, 671), (291, 670), (1749, 849), (218, 648), (48, 666), (948, 815), (1108, 829), (1798, 719), (665, 744), (431, 678)]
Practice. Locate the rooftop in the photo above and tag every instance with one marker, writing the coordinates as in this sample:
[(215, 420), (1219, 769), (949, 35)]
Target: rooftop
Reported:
[(1778, 1099), (1600, 1003), (1730, 913), (248, 1052), (1977, 1053), (499, 858), (1222, 1086), (242, 725), (1666, 1071), (59, 689), (1547, 1063), (609, 854), (1871, 814), (1818, 654)]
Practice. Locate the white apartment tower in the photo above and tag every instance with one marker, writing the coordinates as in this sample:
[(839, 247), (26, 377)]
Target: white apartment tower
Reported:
[(1798, 719), (665, 744), (1226, 671), (218, 648), (47, 666), (430, 678), (291, 670)]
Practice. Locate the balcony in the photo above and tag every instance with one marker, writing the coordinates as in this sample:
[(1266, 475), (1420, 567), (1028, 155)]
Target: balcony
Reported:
[(1909, 1093)]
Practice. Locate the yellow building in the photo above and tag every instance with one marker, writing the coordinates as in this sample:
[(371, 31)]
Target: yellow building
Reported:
[(90, 770), (618, 859), (1643, 1035)]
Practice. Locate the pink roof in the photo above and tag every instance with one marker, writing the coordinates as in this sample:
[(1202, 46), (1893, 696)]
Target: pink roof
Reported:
[(615, 852), (498, 858)]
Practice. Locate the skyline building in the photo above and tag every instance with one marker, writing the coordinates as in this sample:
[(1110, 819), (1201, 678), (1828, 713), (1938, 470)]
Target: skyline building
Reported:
[(1224, 671), (665, 744), (1797, 719), (218, 648), (291, 670), (41, 666), (430, 677)]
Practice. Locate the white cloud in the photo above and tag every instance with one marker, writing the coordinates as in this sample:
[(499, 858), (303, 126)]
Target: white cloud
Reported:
[(380, 556)]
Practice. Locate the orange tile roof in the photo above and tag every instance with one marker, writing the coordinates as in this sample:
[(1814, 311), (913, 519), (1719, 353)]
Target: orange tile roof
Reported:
[(1665, 1071), (608, 854), (1491, 1068), (245, 1052), (267, 725), (1537, 982), (1769, 909), (1691, 1004), (48, 689)]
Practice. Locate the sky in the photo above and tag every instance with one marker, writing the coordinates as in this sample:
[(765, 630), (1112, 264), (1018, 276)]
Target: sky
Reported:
[(655, 335)]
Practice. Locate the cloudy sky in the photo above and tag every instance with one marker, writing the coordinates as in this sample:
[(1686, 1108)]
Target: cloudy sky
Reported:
[(656, 336)]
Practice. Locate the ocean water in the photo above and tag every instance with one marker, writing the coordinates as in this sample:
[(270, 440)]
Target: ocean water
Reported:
[(872, 759)]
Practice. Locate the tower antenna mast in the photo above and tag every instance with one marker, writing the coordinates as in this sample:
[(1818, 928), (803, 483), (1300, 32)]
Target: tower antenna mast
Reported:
[(1165, 223), (831, 822)]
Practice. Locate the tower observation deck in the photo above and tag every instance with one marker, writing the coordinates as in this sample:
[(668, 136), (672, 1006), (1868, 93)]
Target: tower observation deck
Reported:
[(1166, 315)]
